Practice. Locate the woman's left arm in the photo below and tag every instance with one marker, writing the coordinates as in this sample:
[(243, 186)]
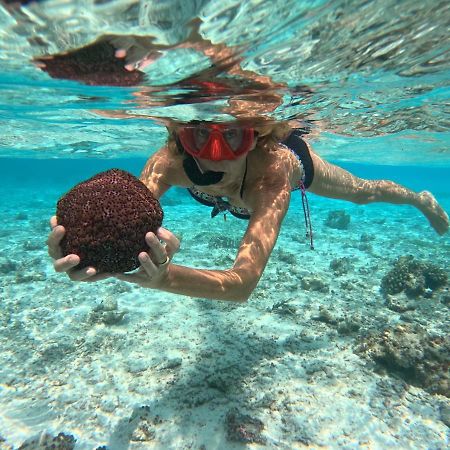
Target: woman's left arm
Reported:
[(269, 200)]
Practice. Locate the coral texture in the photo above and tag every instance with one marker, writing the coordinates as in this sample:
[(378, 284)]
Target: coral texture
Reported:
[(94, 64), (244, 428), (46, 441), (413, 277), (106, 219), (410, 352)]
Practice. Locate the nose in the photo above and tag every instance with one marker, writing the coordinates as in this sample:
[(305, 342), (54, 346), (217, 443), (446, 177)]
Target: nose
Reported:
[(215, 148)]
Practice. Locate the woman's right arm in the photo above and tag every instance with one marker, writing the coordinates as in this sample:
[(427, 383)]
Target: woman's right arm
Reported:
[(268, 198)]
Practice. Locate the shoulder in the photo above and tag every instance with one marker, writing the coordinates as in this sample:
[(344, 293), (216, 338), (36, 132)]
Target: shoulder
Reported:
[(275, 162), (165, 166), (268, 177)]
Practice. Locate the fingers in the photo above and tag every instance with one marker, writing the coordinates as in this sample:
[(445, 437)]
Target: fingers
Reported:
[(54, 240), (87, 274), (97, 277), (53, 222), (171, 241), (148, 273), (157, 250), (148, 265), (66, 263), (137, 52), (121, 53)]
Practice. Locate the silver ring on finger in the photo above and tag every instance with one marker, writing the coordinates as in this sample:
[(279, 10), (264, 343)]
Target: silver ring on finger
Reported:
[(165, 263)]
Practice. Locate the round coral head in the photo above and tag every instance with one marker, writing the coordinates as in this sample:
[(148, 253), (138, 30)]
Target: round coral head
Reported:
[(106, 219)]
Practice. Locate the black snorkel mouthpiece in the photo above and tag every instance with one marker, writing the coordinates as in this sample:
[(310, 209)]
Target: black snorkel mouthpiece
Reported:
[(193, 171), (196, 176)]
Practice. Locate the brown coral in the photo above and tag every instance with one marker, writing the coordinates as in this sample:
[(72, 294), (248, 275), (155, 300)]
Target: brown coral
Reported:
[(412, 353), (94, 64), (414, 277), (106, 219)]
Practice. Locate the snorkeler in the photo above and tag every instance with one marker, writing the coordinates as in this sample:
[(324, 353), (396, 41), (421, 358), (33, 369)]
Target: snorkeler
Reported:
[(249, 171), (248, 168)]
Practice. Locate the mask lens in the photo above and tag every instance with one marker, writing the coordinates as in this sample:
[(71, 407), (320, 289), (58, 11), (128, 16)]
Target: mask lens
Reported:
[(216, 142), (201, 136), (233, 136)]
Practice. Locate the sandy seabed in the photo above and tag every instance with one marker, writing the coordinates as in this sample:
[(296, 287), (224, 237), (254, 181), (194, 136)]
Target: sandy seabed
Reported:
[(110, 364)]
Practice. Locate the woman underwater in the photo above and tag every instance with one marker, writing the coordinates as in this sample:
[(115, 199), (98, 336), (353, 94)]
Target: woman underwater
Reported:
[(248, 168), (251, 172)]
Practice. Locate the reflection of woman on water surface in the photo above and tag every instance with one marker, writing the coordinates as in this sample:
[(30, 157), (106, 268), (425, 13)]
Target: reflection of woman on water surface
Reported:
[(248, 168)]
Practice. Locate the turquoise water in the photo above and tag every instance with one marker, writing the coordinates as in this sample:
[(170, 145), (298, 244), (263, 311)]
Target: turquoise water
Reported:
[(304, 363)]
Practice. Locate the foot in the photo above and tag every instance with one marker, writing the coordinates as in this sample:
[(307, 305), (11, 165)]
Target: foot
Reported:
[(437, 217)]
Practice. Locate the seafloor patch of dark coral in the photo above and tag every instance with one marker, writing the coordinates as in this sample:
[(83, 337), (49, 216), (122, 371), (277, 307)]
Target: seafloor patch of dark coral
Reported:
[(411, 353), (107, 312), (7, 266), (284, 308), (106, 219), (315, 283), (341, 266), (46, 441), (415, 278), (344, 325), (244, 428)]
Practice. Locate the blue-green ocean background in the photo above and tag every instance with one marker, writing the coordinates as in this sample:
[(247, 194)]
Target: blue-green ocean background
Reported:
[(30, 177)]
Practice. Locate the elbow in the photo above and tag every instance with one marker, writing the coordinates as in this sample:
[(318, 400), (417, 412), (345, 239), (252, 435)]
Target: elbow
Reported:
[(241, 287), (241, 298), (243, 293), (239, 295)]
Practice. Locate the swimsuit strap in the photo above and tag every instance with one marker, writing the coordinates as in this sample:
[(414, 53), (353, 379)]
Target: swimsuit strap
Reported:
[(307, 215), (302, 168), (305, 203), (241, 192), (218, 204)]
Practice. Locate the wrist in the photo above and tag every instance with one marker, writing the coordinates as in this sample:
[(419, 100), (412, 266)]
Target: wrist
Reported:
[(162, 281)]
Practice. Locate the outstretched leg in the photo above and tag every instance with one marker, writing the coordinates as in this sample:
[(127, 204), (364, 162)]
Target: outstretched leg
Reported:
[(335, 182)]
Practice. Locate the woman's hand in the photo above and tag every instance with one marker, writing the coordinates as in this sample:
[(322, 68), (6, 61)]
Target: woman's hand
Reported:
[(154, 263), (68, 263), (138, 51)]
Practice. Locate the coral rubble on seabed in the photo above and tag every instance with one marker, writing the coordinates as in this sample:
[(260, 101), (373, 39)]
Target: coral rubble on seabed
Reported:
[(115, 366)]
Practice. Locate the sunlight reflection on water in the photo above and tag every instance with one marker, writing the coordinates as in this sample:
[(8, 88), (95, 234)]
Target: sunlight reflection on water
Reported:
[(345, 68)]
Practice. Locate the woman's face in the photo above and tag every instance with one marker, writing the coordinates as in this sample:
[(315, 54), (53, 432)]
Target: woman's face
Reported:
[(233, 136), (216, 142)]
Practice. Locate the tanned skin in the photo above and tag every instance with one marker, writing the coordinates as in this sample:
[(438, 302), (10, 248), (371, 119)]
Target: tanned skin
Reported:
[(272, 171)]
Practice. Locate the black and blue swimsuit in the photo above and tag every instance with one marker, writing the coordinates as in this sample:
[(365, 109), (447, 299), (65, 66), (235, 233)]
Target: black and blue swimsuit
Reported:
[(296, 145)]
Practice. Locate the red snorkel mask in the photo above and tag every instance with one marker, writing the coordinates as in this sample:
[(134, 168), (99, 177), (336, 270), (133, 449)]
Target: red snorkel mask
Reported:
[(216, 142)]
